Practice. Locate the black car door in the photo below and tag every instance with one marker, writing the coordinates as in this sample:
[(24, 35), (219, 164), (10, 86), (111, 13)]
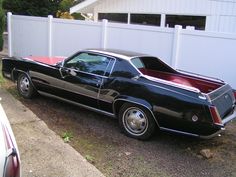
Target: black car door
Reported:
[(83, 75), (47, 79)]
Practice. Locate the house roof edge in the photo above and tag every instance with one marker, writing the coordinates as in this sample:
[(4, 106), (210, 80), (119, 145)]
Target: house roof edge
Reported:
[(81, 5)]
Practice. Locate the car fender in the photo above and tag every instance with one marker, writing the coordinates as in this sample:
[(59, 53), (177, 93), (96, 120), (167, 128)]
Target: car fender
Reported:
[(17, 72), (118, 102)]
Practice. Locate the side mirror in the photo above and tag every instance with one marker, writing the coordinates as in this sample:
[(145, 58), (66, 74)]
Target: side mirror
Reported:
[(67, 71)]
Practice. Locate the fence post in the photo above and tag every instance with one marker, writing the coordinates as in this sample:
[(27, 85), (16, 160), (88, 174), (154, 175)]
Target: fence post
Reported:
[(176, 43), (9, 27), (104, 34), (163, 19), (50, 17)]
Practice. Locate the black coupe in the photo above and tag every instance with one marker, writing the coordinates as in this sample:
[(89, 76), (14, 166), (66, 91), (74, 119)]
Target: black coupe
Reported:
[(143, 92)]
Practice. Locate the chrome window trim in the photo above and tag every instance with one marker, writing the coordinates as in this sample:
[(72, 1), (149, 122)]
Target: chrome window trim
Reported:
[(116, 55), (97, 53), (112, 68)]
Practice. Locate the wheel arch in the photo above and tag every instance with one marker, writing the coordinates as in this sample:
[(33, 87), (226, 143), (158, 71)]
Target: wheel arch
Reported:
[(117, 104), (16, 73)]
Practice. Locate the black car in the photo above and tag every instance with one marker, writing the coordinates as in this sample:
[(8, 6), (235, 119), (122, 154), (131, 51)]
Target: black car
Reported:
[(143, 92)]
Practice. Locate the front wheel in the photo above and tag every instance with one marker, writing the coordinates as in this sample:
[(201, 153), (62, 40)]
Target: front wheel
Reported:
[(25, 87), (136, 121)]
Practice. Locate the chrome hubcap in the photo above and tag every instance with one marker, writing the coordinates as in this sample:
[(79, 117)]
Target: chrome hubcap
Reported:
[(24, 84), (135, 121)]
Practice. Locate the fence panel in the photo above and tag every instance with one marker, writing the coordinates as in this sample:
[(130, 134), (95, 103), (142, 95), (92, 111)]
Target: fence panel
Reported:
[(69, 36), (201, 52), (27, 36), (150, 40), (209, 54)]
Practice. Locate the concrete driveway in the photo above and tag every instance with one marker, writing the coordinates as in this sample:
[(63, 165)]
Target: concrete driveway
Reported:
[(43, 153)]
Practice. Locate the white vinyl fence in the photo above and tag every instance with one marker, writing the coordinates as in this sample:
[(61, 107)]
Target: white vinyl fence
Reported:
[(207, 53)]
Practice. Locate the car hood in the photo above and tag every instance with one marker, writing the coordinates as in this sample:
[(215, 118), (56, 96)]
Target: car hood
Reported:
[(46, 60)]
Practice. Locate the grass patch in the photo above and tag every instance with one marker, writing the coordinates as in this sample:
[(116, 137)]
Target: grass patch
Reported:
[(67, 136), (90, 158)]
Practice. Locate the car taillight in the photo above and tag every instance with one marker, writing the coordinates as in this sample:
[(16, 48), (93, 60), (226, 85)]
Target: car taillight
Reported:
[(215, 115), (12, 165)]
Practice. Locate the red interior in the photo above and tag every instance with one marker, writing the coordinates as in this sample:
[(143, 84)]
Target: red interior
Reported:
[(203, 85), (46, 60)]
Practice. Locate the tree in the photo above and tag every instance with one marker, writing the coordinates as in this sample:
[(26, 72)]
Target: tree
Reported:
[(64, 8), (33, 7), (2, 22)]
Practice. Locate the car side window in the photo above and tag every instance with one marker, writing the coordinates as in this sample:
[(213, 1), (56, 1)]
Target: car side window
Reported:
[(88, 62)]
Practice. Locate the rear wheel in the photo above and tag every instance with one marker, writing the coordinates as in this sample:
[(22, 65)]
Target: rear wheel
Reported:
[(136, 121), (25, 87)]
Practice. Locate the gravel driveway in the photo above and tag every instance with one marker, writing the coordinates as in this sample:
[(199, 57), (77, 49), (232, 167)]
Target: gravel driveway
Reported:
[(99, 139)]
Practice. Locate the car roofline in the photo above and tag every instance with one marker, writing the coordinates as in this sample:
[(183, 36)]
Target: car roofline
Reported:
[(118, 54)]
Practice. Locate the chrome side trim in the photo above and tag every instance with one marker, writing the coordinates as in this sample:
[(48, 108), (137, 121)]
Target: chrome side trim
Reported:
[(191, 134), (177, 131), (77, 104), (192, 89), (200, 76), (213, 135), (155, 79), (120, 99), (68, 90)]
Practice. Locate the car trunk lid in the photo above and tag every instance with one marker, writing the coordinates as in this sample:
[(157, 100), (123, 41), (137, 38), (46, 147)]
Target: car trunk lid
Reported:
[(223, 99)]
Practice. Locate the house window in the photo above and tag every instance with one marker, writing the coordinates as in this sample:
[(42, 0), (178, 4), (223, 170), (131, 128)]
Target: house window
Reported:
[(114, 17), (145, 19), (198, 22)]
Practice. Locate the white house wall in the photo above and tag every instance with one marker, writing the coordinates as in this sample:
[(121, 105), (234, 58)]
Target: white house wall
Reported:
[(221, 14), (155, 6)]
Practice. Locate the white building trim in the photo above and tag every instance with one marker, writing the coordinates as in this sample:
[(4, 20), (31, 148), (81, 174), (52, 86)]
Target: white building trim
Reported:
[(82, 5)]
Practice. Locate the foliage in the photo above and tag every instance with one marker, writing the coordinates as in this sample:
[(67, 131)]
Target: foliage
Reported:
[(2, 22), (90, 158), (65, 15), (65, 5), (64, 9), (43, 8), (77, 16), (32, 7), (67, 136)]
